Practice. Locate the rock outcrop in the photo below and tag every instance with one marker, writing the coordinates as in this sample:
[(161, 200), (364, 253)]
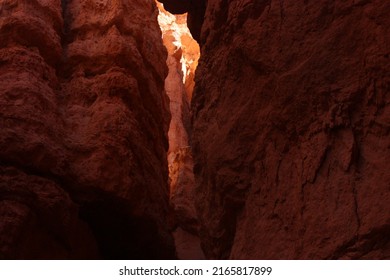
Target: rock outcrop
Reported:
[(84, 121), (291, 140)]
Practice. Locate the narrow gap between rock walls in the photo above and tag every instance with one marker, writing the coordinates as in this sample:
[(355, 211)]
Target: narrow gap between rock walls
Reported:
[(182, 60)]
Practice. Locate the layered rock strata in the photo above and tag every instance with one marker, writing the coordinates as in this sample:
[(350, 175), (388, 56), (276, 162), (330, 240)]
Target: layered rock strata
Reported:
[(291, 130), (84, 121)]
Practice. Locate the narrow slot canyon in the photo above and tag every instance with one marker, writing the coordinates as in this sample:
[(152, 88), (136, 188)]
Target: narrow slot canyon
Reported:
[(183, 55), (194, 129)]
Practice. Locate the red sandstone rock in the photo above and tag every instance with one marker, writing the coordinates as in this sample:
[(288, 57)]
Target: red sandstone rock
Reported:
[(291, 130), (187, 245), (83, 110), (39, 220)]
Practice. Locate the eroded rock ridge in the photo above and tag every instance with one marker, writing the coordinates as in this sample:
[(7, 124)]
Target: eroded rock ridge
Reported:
[(84, 121)]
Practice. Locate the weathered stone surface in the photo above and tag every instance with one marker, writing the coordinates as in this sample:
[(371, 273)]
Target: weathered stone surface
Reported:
[(187, 245), (39, 220), (291, 130), (291, 123), (83, 108)]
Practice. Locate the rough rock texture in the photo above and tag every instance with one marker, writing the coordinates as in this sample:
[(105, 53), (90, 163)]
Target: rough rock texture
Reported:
[(187, 245), (291, 136), (84, 121), (39, 220)]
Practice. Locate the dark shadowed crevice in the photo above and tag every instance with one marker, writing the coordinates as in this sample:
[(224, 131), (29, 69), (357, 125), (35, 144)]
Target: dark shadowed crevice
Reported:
[(65, 17), (176, 7), (122, 236)]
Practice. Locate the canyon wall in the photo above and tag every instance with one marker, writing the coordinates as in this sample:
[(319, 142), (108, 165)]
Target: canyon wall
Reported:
[(289, 135), (291, 123), (83, 140)]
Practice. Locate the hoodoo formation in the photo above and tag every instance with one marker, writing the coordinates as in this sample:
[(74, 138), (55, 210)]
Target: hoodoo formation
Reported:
[(113, 147)]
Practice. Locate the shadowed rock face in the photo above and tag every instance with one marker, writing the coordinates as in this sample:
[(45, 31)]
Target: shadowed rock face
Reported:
[(291, 123), (84, 120)]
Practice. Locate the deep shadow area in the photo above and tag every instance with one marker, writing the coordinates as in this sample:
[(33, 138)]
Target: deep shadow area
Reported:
[(120, 236)]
